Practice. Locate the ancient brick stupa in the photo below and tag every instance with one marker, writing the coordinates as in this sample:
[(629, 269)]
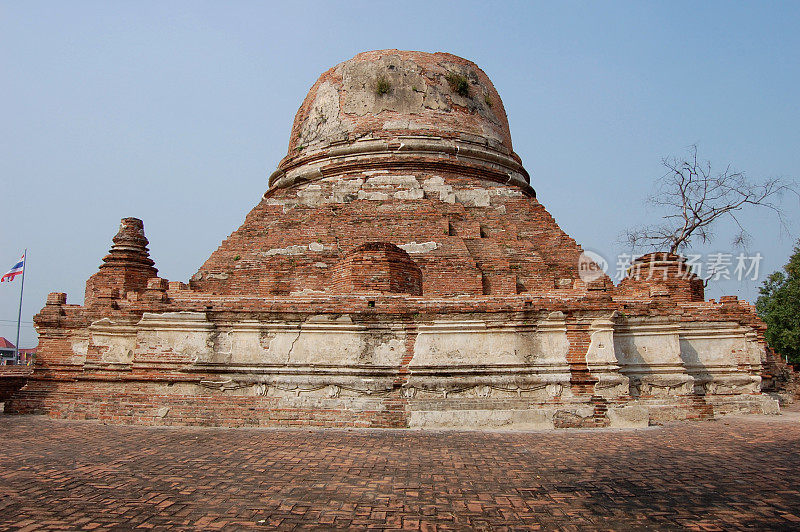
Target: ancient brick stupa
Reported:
[(398, 272)]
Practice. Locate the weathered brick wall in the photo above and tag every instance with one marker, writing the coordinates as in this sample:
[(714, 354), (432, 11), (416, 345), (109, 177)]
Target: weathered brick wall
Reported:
[(345, 103), (12, 379), (661, 276), (468, 237), (377, 267)]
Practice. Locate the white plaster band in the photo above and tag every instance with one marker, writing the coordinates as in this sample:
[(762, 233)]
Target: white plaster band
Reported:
[(309, 168)]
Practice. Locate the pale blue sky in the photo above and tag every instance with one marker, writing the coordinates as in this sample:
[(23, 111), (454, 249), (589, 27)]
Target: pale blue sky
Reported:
[(176, 113)]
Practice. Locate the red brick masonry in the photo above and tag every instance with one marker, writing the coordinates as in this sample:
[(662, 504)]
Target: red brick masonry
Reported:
[(12, 378), (399, 271)]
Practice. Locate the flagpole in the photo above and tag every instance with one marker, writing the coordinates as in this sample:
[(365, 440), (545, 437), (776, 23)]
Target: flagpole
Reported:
[(19, 314)]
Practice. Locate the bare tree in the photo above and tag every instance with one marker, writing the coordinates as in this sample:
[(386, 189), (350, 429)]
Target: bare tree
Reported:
[(694, 198)]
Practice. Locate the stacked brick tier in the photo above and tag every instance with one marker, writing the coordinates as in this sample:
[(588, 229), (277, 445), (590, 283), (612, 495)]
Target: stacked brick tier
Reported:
[(398, 272), (469, 237)]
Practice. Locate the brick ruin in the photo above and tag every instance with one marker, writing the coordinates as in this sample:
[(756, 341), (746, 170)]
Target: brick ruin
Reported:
[(398, 272)]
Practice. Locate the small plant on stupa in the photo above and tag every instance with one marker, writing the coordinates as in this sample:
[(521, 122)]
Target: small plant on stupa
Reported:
[(458, 84), (382, 86)]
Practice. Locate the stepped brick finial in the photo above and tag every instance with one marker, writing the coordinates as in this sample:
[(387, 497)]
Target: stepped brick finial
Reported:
[(129, 247), (126, 268)]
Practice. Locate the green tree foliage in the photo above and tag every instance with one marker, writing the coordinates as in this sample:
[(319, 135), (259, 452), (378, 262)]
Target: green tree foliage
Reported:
[(779, 307)]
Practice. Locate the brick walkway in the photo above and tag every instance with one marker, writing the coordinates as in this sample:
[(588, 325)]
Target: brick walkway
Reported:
[(730, 474)]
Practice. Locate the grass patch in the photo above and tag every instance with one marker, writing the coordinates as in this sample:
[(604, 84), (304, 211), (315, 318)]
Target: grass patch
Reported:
[(382, 86), (458, 84)]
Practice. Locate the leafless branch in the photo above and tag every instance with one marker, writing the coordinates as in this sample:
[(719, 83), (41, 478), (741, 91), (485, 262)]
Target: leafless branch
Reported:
[(694, 198)]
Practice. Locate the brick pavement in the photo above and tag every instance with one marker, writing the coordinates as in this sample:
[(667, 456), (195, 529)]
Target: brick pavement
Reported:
[(734, 473)]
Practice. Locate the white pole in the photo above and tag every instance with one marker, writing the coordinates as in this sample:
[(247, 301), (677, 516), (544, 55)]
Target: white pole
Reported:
[(19, 314)]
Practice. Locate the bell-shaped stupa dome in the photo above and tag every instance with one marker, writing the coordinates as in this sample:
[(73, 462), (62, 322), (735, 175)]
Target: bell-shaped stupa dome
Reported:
[(403, 106)]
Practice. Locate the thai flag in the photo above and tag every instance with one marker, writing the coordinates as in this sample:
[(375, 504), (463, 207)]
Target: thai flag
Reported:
[(17, 269)]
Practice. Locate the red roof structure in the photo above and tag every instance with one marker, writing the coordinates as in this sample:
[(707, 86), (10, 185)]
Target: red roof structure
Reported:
[(5, 344)]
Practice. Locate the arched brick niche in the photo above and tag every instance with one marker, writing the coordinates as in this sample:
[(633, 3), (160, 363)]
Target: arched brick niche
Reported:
[(377, 267)]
